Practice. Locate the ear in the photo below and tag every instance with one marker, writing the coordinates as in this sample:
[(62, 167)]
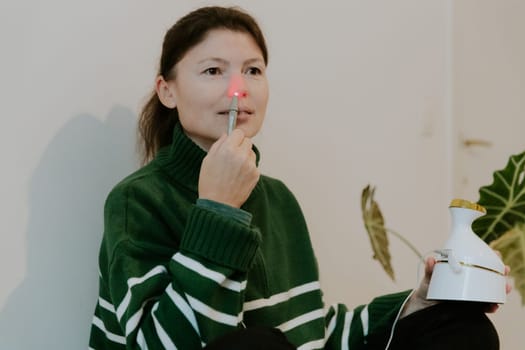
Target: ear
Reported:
[(165, 92)]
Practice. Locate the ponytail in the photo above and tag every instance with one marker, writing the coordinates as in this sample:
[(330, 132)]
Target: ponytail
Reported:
[(155, 127)]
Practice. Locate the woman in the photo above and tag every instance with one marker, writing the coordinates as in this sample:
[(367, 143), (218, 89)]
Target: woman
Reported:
[(197, 244)]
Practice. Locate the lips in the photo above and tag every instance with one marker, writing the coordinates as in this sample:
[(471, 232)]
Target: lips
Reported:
[(240, 111), (244, 114)]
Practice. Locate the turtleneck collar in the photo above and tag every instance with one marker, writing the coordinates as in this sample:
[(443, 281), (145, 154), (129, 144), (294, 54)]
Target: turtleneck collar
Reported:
[(182, 159)]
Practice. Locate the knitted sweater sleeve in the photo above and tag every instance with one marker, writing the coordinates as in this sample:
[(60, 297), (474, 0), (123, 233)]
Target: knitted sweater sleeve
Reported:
[(151, 299), (365, 327)]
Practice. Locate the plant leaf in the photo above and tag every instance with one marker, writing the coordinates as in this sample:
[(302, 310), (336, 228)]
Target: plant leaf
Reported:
[(375, 227), (511, 245), (504, 200)]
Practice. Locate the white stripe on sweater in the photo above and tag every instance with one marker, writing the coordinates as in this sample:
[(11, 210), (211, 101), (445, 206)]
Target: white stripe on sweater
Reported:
[(346, 330), (364, 320), (106, 305), (202, 270), (331, 325), (281, 297), (111, 336), (179, 302), (141, 340), (213, 314), (183, 307), (133, 281), (300, 320), (315, 344), (133, 321), (163, 336)]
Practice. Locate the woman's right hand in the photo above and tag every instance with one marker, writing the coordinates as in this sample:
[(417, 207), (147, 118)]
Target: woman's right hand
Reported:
[(229, 172)]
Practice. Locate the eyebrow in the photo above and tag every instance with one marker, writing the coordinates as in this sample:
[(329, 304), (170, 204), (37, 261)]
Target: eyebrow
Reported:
[(223, 61)]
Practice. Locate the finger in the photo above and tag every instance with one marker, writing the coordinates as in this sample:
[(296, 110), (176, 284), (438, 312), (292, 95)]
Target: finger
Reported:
[(491, 308), (217, 144), (508, 288), (253, 157), (429, 266), (236, 137), (246, 144)]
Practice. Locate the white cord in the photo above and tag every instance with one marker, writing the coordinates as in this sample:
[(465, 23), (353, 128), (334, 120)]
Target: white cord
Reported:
[(397, 319), (418, 278)]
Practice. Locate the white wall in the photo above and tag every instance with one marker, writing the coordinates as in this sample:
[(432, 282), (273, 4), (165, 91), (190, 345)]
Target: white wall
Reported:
[(360, 94), (489, 105)]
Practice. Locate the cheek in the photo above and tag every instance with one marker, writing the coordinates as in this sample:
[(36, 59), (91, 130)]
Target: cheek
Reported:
[(261, 95), (189, 104), (262, 103), (204, 98)]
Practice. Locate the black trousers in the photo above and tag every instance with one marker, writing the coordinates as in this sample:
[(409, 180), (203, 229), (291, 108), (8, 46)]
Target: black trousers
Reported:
[(447, 325), (252, 338)]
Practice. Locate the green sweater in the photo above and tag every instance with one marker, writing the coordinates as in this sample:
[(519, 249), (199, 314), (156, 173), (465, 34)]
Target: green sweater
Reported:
[(177, 275)]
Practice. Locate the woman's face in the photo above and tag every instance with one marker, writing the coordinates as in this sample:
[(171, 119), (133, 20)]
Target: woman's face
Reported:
[(205, 79)]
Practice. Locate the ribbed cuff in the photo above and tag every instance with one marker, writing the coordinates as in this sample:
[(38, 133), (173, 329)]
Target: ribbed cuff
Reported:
[(240, 215), (220, 239)]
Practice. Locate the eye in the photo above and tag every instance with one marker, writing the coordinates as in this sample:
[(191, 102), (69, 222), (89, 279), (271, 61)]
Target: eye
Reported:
[(212, 71), (254, 71)]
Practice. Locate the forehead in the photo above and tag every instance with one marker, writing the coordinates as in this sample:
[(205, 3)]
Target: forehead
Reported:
[(224, 43)]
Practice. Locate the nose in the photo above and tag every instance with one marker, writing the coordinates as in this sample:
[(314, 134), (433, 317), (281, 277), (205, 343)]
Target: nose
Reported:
[(237, 86)]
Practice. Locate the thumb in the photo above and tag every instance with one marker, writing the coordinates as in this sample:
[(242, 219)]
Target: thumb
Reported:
[(217, 144), (429, 268)]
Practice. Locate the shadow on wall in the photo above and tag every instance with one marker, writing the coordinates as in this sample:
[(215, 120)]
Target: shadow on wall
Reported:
[(53, 307)]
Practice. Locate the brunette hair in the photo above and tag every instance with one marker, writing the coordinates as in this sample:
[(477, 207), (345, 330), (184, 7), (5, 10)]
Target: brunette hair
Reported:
[(156, 121)]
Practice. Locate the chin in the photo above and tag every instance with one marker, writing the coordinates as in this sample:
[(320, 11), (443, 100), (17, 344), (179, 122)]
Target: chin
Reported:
[(249, 130)]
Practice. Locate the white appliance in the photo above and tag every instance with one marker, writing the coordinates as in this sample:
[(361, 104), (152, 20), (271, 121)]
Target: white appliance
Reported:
[(467, 268)]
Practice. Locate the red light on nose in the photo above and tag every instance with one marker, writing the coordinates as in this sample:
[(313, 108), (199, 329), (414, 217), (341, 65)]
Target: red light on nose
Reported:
[(238, 94), (235, 86)]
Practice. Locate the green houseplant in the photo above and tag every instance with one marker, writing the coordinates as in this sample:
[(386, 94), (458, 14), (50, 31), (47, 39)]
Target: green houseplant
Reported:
[(503, 227)]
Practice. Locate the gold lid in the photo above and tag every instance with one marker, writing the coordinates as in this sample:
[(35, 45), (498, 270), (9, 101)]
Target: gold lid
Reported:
[(463, 203)]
